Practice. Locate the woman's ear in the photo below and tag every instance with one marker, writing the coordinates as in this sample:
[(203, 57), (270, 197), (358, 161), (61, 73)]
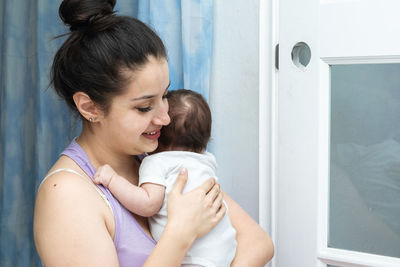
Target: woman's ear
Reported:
[(86, 107)]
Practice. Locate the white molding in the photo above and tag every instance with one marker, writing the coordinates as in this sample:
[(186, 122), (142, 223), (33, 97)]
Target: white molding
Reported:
[(274, 19), (324, 156), (361, 60), (264, 145), (267, 116), (347, 258)]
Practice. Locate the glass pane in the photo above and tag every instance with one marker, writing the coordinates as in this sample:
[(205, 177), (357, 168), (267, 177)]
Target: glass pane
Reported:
[(364, 208)]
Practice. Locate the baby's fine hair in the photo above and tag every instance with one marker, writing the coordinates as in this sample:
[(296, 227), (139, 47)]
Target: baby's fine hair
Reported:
[(190, 125)]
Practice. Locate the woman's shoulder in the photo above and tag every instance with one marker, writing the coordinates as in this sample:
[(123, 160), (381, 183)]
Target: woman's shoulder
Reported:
[(63, 177), (67, 180), (65, 162), (67, 187), (68, 209)]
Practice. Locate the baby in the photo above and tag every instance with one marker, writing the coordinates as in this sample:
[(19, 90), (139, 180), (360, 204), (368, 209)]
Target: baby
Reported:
[(182, 143)]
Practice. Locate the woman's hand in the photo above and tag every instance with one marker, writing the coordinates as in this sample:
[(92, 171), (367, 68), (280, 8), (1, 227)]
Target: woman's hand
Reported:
[(195, 213), (190, 215)]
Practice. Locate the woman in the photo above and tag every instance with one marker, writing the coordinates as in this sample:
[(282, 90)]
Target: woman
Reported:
[(112, 70)]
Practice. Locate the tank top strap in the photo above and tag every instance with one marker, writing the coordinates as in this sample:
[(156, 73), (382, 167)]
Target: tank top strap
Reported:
[(85, 178), (60, 170)]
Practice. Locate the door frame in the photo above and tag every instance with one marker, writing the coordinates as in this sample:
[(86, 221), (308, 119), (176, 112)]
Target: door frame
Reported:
[(268, 39)]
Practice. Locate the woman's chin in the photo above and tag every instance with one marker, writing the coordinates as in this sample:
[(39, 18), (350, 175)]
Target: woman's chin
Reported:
[(152, 149)]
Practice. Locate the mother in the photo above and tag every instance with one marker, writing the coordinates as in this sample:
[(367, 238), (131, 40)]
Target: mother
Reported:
[(112, 70)]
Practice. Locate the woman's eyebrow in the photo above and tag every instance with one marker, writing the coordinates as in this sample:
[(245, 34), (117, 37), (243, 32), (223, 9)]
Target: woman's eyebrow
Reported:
[(150, 96)]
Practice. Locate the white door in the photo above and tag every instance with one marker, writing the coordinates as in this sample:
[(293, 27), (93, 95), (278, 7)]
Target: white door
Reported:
[(337, 134)]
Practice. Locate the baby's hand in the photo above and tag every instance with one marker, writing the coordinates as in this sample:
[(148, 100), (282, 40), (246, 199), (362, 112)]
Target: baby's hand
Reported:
[(104, 175)]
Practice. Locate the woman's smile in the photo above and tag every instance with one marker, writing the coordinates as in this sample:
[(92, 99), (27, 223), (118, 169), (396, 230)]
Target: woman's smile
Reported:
[(154, 135)]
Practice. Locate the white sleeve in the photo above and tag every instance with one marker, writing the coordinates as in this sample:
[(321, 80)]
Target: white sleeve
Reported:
[(152, 170)]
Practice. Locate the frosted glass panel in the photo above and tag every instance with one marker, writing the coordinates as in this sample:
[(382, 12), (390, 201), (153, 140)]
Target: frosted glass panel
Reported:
[(364, 208)]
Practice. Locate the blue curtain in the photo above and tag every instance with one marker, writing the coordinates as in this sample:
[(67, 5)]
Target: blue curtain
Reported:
[(186, 29), (36, 124)]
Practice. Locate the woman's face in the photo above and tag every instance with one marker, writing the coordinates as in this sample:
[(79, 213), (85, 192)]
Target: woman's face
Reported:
[(133, 123)]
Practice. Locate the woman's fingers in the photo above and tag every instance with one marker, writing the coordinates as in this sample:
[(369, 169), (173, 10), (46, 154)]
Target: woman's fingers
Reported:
[(217, 202), (213, 193), (195, 213), (207, 186), (221, 212), (180, 181)]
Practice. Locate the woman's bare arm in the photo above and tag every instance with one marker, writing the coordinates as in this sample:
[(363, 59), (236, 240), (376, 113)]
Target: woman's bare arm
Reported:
[(70, 225), (255, 247)]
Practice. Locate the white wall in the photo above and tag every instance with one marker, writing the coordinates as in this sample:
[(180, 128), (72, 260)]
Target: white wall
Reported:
[(234, 99)]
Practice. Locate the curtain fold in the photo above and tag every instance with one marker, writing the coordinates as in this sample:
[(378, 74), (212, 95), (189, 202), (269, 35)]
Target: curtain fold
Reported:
[(35, 123), (186, 29), (19, 96)]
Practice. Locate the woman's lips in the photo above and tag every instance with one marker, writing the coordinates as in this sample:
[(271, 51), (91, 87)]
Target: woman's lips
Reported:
[(152, 135)]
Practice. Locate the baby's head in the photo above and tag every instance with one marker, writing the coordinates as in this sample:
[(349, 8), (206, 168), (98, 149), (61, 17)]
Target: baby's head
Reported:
[(190, 126)]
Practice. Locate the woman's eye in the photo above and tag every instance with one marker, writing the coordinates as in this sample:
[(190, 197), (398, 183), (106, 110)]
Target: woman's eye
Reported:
[(146, 109)]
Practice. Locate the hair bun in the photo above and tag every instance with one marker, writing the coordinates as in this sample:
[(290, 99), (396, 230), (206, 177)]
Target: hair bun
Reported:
[(81, 14)]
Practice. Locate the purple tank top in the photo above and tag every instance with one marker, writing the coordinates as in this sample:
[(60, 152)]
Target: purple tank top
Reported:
[(133, 245)]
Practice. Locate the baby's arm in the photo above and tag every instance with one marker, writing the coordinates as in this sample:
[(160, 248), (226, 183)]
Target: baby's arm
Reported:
[(144, 201)]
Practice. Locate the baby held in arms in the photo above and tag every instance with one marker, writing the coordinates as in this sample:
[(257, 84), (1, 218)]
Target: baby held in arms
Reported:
[(182, 144)]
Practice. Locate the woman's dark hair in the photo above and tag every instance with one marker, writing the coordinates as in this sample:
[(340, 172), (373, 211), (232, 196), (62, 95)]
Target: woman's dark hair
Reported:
[(100, 50), (190, 125)]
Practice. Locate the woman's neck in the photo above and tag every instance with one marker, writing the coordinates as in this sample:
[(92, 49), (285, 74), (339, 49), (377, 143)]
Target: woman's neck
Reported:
[(100, 153)]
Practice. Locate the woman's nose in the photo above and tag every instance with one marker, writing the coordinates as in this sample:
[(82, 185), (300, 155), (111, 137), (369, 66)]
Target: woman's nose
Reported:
[(162, 118)]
